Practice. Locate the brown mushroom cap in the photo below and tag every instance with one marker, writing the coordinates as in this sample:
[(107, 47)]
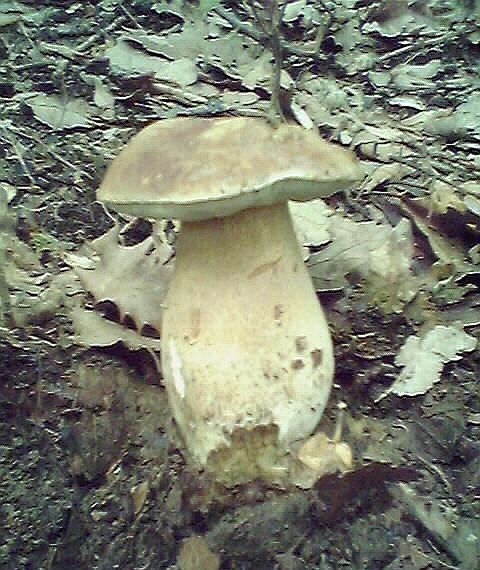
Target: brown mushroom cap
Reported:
[(197, 168)]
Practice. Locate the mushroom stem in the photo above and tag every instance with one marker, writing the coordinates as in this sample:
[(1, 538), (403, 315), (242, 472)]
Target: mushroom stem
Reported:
[(246, 352)]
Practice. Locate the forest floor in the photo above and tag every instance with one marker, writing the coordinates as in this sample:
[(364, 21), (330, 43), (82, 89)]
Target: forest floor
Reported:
[(92, 475)]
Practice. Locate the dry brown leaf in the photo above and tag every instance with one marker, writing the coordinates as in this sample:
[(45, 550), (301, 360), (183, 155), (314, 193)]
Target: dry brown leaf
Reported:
[(195, 555), (134, 278), (323, 455), (91, 329), (139, 495)]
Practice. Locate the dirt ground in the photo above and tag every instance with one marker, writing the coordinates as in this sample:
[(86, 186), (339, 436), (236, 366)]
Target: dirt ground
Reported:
[(91, 472)]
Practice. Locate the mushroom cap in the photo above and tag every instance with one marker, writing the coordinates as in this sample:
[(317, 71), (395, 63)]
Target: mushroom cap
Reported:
[(199, 168)]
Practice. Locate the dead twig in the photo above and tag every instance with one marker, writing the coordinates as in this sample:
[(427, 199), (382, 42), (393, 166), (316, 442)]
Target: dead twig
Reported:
[(261, 37), (18, 154), (37, 141), (271, 27)]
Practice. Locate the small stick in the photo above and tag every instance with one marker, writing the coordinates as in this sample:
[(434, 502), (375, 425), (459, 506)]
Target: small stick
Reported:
[(18, 154), (272, 31)]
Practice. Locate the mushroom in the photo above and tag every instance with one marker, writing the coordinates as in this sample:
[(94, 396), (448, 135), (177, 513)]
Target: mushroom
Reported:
[(247, 356)]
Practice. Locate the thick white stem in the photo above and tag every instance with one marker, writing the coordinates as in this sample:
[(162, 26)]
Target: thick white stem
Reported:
[(246, 352)]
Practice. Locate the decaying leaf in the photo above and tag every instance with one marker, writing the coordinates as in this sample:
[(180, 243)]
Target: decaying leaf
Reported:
[(29, 293), (182, 71), (322, 456), (311, 222), (392, 20), (383, 441), (460, 537), (135, 279), (190, 42), (91, 329), (422, 359), (61, 113), (195, 555), (139, 495), (7, 194), (386, 173), (377, 253), (442, 197), (448, 219), (408, 77), (464, 121), (235, 55)]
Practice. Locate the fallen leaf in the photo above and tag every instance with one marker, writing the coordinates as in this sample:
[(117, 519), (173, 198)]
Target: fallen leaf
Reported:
[(139, 495), (135, 279), (61, 113), (422, 359), (196, 555), (91, 329), (182, 71)]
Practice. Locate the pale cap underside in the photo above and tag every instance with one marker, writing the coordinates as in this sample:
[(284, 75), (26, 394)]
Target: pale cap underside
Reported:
[(196, 168)]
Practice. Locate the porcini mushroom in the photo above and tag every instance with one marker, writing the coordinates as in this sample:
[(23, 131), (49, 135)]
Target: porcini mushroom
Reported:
[(246, 353)]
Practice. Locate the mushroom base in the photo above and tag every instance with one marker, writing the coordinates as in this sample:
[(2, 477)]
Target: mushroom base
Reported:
[(246, 352)]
